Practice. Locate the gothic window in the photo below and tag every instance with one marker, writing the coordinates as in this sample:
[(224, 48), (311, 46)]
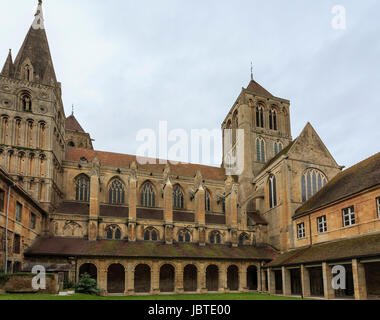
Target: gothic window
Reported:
[(272, 192), (215, 238), (71, 144), (116, 192), (277, 148), (148, 196), (17, 244), (113, 233), (2, 200), (178, 198), (273, 119), (260, 150), (312, 181), (18, 131), (31, 164), (82, 188), (207, 201), (150, 234), (42, 127), (244, 239), (26, 102), (184, 236), (260, 117), (4, 129)]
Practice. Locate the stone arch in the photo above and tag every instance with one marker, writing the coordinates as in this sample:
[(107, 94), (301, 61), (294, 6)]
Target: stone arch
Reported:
[(179, 198), (252, 278), (146, 201), (167, 278), (190, 278), (90, 269), (116, 278), (212, 278), (117, 196), (142, 275), (151, 234), (233, 278)]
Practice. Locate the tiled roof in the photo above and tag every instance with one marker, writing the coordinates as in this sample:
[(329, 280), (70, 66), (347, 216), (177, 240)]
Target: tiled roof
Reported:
[(360, 177), (65, 247), (73, 124), (364, 246), (124, 160), (256, 88)]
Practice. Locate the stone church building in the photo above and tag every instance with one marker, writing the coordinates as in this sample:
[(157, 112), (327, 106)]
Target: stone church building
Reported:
[(159, 228)]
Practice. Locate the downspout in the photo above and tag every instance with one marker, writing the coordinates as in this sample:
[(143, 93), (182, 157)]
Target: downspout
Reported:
[(311, 237), (6, 230)]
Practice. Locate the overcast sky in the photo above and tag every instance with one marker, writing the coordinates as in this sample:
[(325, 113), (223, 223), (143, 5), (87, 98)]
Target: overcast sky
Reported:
[(127, 64)]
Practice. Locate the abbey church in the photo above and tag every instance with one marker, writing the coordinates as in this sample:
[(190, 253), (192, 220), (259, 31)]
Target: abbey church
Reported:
[(278, 227)]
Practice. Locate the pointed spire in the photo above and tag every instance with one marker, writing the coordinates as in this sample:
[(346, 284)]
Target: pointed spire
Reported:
[(8, 68), (35, 52), (38, 22)]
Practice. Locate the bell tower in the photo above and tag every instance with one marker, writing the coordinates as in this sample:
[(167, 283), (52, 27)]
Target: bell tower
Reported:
[(32, 123)]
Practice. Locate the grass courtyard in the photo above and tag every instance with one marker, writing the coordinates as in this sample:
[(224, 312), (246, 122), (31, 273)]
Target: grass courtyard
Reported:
[(195, 297)]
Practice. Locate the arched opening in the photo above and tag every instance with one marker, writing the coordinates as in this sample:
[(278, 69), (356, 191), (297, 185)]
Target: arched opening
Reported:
[(116, 278), (212, 278), (190, 278), (167, 274), (142, 279), (233, 278), (90, 269), (252, 278)]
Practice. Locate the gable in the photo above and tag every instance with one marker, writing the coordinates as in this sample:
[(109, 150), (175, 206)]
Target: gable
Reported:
[(310, 148)]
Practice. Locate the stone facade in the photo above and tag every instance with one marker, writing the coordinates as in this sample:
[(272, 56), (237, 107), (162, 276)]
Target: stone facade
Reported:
[(151, 227)]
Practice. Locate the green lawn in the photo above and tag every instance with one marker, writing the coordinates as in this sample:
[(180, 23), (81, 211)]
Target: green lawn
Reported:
[(230, 296)]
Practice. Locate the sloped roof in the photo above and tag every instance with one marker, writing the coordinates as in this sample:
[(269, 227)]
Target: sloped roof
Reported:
[(124, 161), (364, 246), (360, 177), (256, 88), (36, 48), (64, 247), (8, 69), (73, 124)]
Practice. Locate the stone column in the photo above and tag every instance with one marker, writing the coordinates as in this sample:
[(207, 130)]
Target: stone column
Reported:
[(243, 279), (155, 278), (360, 283), (222, 278), (263, 280), (130, 280), (200, 214), (305, 281), (168, 212), (286, 282), (201, 279), (271, 281), (179, 287), (102, 279), (327, 281), (259, 282), (94, 201)]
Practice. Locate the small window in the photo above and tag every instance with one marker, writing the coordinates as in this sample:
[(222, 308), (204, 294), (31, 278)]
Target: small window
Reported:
[(150, 235), (207, 201), (2, 200), (322, 224), (33, 221), (215, 238), (301, 233), (378, 206), (17, 244), (18, 212), (349, 217), (184, 236), (272, 192)]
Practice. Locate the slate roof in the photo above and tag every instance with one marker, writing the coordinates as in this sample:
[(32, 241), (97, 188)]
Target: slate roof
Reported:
[(65, 247), (256, 88), (364, 246), (73, 124), (124, 161), (360, 177)]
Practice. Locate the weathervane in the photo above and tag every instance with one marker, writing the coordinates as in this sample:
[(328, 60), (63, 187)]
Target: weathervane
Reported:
[(251, 71)]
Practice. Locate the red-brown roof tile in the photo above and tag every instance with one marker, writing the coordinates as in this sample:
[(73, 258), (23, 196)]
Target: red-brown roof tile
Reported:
[(73, 124)]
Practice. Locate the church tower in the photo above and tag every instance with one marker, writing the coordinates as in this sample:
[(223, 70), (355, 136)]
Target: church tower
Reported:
[(264, 123), (32, 120)]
